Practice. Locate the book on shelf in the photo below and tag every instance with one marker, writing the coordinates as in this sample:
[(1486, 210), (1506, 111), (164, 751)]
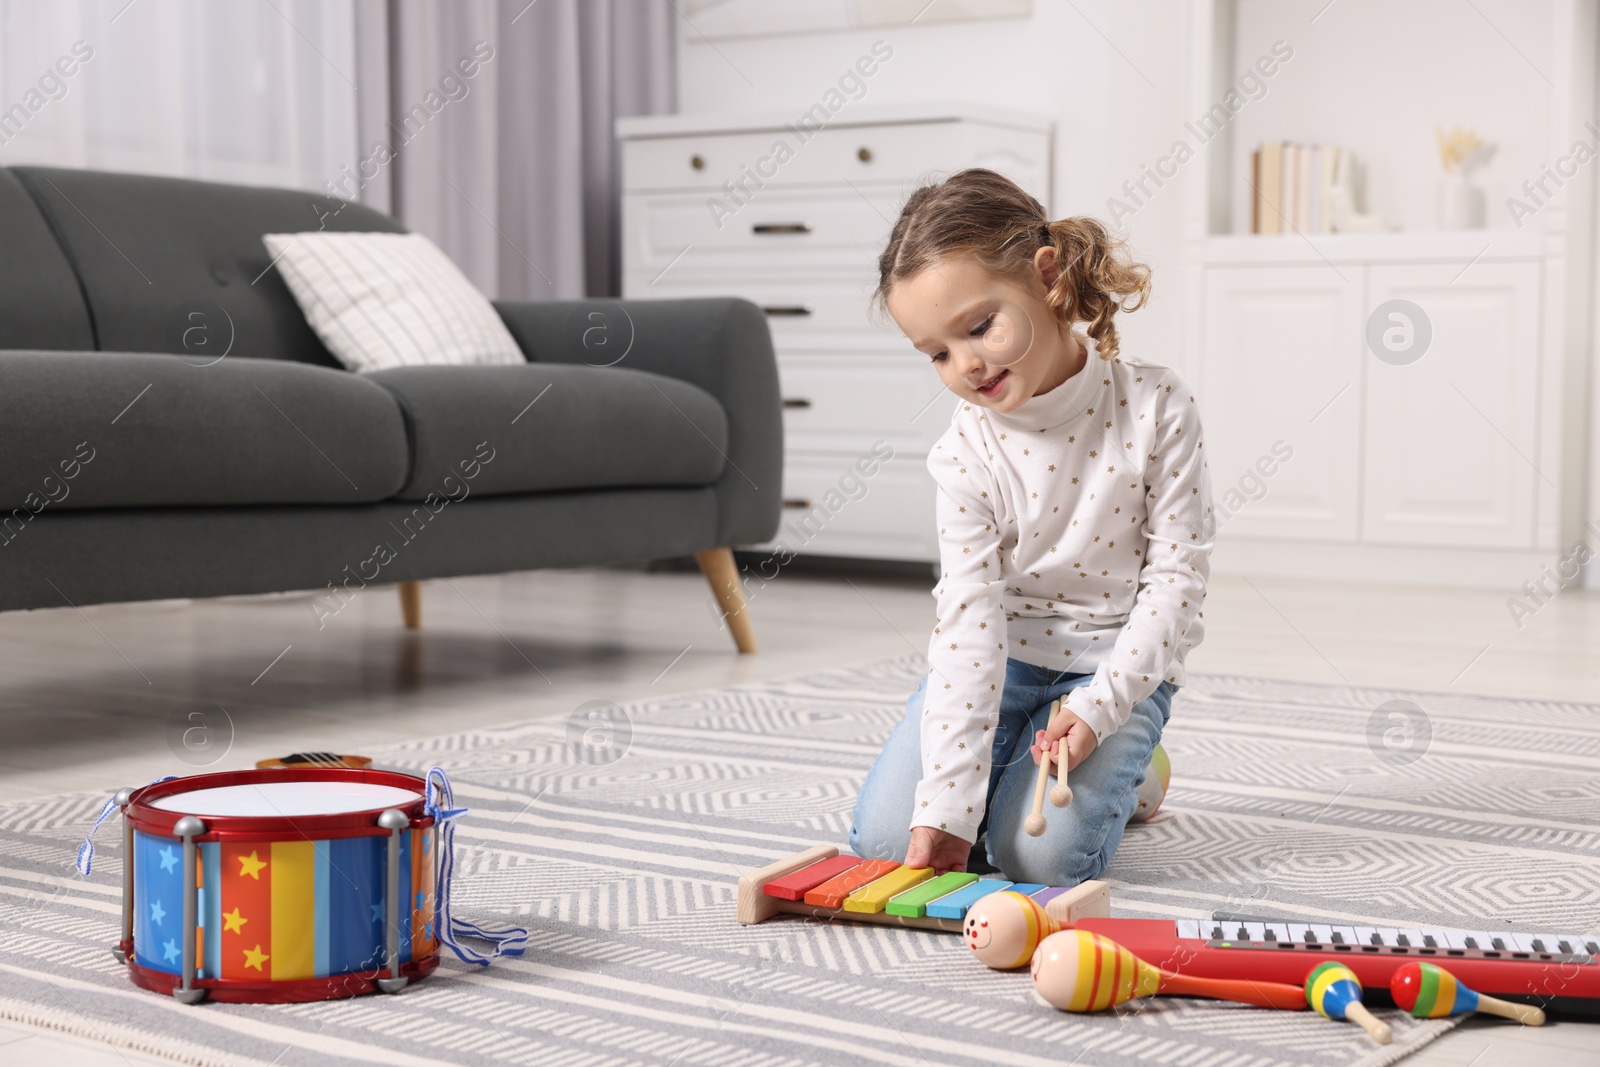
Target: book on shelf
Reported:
[(1295, 186)]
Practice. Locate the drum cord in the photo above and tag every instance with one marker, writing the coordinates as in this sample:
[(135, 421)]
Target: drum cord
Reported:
[(511, 941), (86, 850)]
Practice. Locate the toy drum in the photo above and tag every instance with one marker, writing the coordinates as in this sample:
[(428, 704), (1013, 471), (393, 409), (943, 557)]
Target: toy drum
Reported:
[(279, 885)]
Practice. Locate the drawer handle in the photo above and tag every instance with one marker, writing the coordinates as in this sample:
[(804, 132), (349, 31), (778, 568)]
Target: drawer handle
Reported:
[(698, 162), (796, 502), (796, 402), (787, 309), (781, 227), (864, 154)]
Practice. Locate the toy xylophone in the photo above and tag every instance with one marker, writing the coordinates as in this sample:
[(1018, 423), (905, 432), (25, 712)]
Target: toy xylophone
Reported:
[(822, 884)]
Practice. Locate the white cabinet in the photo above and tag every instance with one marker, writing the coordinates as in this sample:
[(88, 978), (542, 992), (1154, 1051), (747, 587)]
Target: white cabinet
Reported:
[(1451, 437), (713, 207), (1395, 388), (1281, 375), (1467, 466)]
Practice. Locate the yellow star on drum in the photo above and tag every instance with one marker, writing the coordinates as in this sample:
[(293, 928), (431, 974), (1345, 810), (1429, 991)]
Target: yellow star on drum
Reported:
[(254, 957), (251, 865)]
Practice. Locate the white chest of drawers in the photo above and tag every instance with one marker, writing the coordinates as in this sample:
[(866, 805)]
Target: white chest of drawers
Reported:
[(794, 219)]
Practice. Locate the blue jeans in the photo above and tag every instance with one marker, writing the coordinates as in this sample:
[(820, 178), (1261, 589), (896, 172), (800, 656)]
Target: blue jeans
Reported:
[(1079, 840)]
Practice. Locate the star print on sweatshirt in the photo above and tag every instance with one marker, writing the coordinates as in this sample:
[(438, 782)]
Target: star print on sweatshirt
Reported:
[(1074, 533)]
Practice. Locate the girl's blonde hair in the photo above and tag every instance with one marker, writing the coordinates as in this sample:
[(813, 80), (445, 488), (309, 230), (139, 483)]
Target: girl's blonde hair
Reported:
[(977, 212)]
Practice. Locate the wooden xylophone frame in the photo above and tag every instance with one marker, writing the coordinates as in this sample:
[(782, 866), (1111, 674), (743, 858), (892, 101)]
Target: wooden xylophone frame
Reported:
[(1090, 899)]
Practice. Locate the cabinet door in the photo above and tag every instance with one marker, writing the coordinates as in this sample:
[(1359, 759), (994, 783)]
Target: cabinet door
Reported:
[(1451, 436), (1280, 394)]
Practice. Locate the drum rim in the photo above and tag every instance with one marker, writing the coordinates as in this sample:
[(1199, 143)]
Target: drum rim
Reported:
[(143, 817)]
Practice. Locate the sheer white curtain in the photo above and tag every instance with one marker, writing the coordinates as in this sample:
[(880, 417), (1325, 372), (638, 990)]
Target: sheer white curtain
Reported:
[(484, 124), (512, 169), (255, 91)]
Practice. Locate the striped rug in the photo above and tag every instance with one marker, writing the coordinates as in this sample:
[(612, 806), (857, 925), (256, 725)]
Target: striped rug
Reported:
[(1366, 806)]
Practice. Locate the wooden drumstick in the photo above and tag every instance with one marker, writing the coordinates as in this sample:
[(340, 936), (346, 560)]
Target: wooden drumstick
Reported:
[(1035, 824), (1061, 795)]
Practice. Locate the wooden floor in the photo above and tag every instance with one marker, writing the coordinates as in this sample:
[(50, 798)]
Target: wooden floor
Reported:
[(94, 699)]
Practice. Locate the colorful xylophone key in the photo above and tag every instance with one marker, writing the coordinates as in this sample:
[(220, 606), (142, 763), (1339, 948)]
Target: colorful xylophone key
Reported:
[(821, 883)]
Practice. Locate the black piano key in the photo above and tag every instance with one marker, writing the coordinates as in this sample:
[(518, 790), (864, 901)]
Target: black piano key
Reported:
[(1217, 934), (1427, 940), (1472, 942), (1309, 938), (1376, 939), (1402, 941), (1500, 944), (1538, 945), (1244, 935), (1564, 946), (1270, 935)]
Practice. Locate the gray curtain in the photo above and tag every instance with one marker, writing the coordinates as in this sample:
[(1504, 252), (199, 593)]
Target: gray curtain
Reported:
[(498, 120)]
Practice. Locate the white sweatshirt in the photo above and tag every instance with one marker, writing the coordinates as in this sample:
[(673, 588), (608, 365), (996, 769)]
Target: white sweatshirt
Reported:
[(1074, 533)]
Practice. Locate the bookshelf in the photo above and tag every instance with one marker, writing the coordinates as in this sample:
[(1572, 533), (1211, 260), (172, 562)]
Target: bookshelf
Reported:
[(1466, 465)]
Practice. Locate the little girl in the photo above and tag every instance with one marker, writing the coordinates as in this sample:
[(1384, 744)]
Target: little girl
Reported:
[(1074, 516)]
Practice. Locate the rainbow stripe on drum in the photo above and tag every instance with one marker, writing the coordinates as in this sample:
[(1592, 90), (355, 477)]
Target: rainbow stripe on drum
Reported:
[(1428, 991), (1331, 988), (282, 910)]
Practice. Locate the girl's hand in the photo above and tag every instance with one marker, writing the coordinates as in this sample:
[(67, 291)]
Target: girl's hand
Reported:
[(1068, 730), (942, 851)]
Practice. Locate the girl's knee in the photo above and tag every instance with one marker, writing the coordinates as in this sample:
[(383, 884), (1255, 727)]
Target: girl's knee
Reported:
[(1047, 860), (877, 839), (1077, 844)]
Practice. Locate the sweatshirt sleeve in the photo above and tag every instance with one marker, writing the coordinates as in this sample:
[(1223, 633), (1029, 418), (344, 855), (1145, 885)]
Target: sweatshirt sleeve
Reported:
[(967, 652), (1178, 537)]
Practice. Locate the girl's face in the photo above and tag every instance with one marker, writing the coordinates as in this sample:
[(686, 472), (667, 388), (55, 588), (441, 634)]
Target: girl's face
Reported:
[(992, 339)]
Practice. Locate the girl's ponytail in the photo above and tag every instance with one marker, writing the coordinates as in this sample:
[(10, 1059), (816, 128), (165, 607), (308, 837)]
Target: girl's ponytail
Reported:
[(1097, 279), (983, 214)]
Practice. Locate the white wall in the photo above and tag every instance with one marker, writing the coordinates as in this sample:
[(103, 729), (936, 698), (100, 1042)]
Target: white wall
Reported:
[(1411, 56), (1084, 65)]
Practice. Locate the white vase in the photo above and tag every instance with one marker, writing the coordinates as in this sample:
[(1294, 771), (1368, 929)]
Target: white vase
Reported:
[(1461, 204)]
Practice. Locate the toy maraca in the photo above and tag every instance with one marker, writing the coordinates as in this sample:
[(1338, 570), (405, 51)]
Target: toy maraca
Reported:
[(1070, 969), (1004, 928), (1153, 790), (1061, 795), (1428, 991), (1335, 992)]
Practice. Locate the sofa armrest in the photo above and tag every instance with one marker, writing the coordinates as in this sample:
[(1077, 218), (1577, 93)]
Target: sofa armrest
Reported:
[(720, 344)]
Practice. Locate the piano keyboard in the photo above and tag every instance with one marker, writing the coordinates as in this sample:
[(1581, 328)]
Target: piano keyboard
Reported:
[(1241, 932)]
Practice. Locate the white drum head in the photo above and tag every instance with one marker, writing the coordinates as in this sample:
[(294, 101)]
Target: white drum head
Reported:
[(287, 799)]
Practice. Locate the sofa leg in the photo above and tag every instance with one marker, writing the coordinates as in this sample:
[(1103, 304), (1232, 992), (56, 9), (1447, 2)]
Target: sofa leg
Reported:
[(411, 604), (720, 570)]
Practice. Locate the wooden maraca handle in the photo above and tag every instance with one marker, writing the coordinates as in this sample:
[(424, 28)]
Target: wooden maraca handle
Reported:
[(1526, 1014), (1375, 1027), (1261, 994)]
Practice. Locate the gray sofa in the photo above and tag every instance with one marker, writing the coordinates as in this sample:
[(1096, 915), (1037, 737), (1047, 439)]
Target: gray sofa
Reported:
[(171, 427)]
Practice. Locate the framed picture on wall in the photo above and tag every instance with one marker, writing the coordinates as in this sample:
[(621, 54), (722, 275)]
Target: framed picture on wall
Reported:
[(760, 18)]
